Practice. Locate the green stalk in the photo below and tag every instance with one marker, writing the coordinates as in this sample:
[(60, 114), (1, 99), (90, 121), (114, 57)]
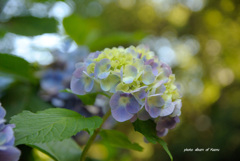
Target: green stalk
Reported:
[(92, 138)]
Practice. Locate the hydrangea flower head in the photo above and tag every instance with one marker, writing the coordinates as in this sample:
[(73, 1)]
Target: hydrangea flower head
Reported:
[(7, 150), (138, 83)]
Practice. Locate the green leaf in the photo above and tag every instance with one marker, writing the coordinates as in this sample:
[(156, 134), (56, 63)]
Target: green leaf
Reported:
[(148, 129), (66, 150), (115, 39), (80, 29), (90, 32), (15, 66), (117, 139), (51, 125), (30, 26)]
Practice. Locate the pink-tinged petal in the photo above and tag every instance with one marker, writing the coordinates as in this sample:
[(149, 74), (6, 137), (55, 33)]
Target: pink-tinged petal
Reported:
[(120, 114), (9, 153), (134, 118), (167, 69), (78, 73)]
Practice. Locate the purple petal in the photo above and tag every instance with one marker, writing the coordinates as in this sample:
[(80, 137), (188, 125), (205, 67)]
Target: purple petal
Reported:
[(9, 153), (153, 105), (167, 122), (9, 133), (133, 106), (120, 114), (78, 73), (2, 112), (114, 101), (77, 86), (162, 132)]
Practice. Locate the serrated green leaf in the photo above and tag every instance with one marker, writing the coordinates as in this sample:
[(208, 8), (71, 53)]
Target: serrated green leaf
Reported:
[(15, 66), (148, 129), (30, 26), (117, 139), (66, 150), (51, 125)]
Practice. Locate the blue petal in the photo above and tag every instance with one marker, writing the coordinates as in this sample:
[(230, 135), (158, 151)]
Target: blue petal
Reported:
[(153, 105), (140, 94), (123, 103), (103, 75), (8, 131), (77, 86), (133, 106), (114, 101), (102, 67), (2, 112), (120, 114), (167, 108)]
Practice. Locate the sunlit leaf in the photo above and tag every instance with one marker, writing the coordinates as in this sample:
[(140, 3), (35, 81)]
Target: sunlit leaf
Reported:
[(66, 150)]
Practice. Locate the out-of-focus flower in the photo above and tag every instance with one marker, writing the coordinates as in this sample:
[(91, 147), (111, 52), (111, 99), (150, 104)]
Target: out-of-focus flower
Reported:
[(7, 150), (139, 84)]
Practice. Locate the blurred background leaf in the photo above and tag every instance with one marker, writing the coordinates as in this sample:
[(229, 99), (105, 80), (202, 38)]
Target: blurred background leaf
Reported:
[(29, 26)]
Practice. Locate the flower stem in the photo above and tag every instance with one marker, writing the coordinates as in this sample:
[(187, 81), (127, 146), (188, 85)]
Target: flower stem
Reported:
[(92, 138)]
